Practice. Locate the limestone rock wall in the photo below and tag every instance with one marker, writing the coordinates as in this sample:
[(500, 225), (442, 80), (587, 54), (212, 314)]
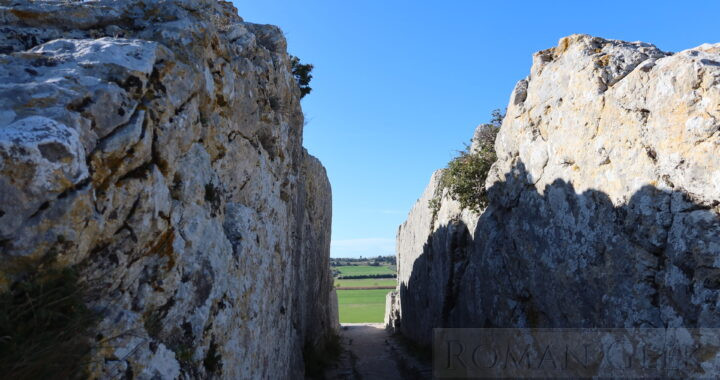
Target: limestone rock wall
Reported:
[(603, 202), (157, 146), (431, 244)]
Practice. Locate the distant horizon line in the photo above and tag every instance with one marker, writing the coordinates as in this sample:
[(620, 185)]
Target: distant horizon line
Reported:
[(362, 256)]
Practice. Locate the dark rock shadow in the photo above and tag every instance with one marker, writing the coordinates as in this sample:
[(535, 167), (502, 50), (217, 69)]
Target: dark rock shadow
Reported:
[(433, 287), (563, 259)]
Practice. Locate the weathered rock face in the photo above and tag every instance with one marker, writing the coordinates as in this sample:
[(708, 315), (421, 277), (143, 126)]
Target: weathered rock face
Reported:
[(603, 202), (157, 146), (431, 245)]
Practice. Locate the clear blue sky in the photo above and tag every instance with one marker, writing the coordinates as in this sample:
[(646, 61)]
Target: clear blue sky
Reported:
[(399, 86)]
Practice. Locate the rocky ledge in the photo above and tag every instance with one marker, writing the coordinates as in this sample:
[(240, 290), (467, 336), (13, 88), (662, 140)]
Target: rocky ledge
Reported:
[(603, 202), (156, 147)]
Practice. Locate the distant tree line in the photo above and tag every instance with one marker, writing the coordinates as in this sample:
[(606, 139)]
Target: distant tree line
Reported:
[(356, 277), (372, 261)]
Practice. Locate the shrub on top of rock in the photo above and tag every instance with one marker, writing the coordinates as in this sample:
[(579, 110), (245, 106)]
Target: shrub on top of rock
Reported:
[(301, 72), (464, 177)]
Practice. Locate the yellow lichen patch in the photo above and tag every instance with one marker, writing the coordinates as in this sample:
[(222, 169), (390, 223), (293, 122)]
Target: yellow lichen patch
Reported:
[(603, 61), (19, 173), (61, 181), (563, 44), (39, 103), (24, 14), (163, 165), (103, 168), (677, 135), (215, 148), (546, 53), (163, 246)]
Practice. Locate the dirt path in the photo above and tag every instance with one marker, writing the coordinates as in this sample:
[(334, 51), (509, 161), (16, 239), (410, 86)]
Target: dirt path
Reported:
[(368, 343), (370, 353)]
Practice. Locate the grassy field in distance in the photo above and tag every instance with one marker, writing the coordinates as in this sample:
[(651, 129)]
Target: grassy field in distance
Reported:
[(363, 270), (359, 306), (358, 302), (365, 282)]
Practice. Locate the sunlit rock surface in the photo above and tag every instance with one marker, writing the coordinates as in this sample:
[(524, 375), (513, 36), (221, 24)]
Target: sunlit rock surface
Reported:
[(603, 202), (157, 145)]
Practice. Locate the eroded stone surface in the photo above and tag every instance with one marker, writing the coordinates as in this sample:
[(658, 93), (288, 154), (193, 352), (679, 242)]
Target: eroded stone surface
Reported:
[(157, 145), (603, 202)]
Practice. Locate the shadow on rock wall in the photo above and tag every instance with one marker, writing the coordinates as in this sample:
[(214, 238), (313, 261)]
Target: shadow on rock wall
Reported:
[(560, 259)]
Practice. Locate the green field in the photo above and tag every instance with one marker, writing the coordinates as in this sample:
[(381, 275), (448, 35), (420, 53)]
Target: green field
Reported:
[(358, 306), (365, 282), (363, 305), (363, 270)]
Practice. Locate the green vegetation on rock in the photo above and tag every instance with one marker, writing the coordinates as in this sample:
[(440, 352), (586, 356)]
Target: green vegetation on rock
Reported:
[(45, 327), (464, 177), (302, 75)]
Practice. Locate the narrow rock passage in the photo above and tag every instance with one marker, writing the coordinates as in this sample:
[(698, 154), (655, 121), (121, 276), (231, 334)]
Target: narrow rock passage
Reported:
[(368, 343)]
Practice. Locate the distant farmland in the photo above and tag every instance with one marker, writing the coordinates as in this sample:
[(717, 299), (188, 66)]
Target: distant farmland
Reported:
[(358, 306), (364, 270), (362, 300), (366, 282)]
